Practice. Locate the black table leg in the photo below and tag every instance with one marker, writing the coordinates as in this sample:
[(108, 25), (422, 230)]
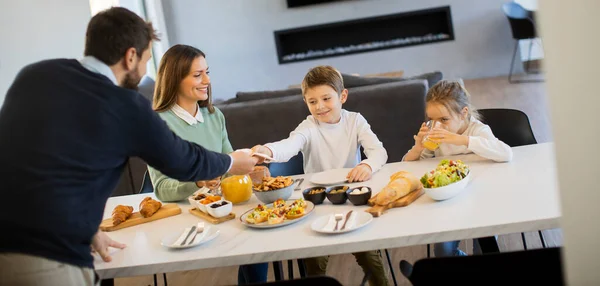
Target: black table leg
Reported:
[(278, 270), (488, 244)]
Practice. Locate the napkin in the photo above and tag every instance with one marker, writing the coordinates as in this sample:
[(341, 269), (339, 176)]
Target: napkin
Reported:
[(182, 236), (201, 235), (330, 223)]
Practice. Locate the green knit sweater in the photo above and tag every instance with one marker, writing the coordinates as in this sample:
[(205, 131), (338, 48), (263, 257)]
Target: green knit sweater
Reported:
[(210, 134)]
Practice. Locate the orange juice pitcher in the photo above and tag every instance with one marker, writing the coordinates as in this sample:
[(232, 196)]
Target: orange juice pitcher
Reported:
[(427, 142), (237, 189)]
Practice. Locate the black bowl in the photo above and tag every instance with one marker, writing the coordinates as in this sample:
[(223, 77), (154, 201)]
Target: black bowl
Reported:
[(317, 198), (337, 198), (359, 200)]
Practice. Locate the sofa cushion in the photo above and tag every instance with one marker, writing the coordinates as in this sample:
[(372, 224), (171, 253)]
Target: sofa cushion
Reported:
[(255, 95), (351, 81)]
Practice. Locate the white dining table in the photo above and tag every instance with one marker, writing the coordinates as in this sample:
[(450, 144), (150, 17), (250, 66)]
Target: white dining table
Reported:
[(518, 196)]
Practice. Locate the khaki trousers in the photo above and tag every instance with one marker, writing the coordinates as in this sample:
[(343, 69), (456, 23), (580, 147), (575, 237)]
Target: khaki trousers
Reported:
[(26, 270)]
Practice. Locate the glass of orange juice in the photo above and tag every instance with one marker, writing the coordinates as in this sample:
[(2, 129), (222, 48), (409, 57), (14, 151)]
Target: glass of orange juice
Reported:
[(427, 142)]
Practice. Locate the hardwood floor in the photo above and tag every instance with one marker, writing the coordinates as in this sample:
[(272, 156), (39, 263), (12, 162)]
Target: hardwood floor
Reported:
[(486, 93)]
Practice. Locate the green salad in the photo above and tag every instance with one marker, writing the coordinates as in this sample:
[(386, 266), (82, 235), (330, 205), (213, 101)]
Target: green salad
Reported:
[(446, 173)]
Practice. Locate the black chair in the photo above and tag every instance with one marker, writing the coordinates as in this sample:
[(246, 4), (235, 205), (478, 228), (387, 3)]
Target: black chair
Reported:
[(511, 127), (522, 25), (315, 280), (294, 166), (525, 267)]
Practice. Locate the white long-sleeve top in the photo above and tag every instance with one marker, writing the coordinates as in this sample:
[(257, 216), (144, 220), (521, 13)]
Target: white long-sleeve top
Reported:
[(332, 146), (481, 142)]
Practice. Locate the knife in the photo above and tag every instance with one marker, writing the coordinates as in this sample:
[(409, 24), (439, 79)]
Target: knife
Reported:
[(188, 235), (347, 217)]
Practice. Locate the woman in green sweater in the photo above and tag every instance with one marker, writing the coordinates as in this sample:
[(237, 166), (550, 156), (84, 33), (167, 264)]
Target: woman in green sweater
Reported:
[(182, 98)]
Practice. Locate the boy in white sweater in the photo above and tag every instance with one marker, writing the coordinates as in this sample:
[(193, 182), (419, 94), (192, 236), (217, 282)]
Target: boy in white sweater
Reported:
[(330, 138), (459, 132)]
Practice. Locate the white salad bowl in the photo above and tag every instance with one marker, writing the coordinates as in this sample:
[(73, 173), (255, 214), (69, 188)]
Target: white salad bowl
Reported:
[(448, 191)]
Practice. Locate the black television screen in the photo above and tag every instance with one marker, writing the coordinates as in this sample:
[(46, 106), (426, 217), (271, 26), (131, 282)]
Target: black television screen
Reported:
[(300, 3)]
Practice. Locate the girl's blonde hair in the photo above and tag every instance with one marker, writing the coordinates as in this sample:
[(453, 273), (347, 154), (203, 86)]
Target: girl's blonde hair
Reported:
[(454, 96), (175, 66)]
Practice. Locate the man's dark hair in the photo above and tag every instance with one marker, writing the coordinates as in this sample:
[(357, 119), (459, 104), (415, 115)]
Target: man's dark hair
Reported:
[(112, 32)]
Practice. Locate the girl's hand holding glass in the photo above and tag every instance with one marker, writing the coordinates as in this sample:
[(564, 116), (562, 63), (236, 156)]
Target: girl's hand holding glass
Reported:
[(440, 135)]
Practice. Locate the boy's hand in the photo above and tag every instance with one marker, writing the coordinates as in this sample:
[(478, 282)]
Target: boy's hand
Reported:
[(444, 136), (419, 137), (360, 173), (262, 150)]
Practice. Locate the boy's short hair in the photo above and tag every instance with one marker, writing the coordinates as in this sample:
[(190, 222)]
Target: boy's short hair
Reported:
[(323, 75)]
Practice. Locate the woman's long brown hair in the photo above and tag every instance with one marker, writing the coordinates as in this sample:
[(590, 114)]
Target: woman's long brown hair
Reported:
[(174, 66)]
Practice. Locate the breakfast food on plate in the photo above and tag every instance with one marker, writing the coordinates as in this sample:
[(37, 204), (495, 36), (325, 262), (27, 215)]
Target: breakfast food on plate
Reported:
[(359, 191), (315, 191), (294, 212), (149, 206), (402, 189), (270, 183), (121, 213), (280, 212), (446, 173), (275, 218), (279, 203)]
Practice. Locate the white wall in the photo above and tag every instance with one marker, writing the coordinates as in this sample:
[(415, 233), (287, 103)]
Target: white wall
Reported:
[(237, 36), (574, 103), (33, 30)]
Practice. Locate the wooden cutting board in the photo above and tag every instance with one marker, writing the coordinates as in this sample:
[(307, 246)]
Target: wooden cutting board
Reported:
[(211, 219), (136, 218), (377, 210)]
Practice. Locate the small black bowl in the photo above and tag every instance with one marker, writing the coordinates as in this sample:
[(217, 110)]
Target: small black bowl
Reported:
[(337, 198), (317, 198), (359, 200)]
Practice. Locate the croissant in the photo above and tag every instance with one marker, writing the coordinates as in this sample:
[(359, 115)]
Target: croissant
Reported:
[(400, 185), (121, 213), (148, 207)]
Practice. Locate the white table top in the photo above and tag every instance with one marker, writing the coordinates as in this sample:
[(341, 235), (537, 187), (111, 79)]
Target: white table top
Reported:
[(501, 198)]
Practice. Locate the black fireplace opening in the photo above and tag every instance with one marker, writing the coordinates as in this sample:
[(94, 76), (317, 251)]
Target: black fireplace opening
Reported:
[(364, 35)]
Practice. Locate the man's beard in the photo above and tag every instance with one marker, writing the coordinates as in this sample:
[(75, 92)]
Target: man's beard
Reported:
[(132, 79)]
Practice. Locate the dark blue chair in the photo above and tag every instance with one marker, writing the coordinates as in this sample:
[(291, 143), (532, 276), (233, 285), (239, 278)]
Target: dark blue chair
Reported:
[(522, 25)]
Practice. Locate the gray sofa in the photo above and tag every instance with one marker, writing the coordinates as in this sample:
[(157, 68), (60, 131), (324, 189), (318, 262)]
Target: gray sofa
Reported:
[(394, 107)]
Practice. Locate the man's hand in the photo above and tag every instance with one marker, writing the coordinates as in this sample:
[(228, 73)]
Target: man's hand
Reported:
[(360, 173), (101, 242), (243, 163)]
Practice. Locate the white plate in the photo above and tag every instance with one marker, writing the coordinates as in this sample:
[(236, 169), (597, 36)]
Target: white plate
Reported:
[(307, 211), (331, 177), (210, 232), (362, 219)]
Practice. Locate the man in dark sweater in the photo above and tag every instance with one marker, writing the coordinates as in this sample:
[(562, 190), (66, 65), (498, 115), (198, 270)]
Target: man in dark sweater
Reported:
[(67, 128)]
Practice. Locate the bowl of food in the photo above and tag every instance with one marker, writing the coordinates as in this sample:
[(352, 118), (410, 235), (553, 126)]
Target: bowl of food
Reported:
[(271, 189), (315, 194), (359, 196), (219, 209), (337, 194), (447, 180)]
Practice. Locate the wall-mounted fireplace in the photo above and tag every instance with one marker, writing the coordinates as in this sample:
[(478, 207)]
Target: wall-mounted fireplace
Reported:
[(364, 35)]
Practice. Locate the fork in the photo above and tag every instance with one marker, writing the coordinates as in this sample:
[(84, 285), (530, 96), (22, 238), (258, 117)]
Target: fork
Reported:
[(199, 229), (338, 218)]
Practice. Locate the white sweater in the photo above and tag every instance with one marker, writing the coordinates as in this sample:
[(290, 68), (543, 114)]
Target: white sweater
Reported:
[(332, 146), (481, 142)]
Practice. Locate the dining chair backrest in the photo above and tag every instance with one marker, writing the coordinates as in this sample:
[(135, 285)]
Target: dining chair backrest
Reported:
[(312, 280), (146, 184), (530, 267), (521, 21), (295, 166), (511, 126)]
